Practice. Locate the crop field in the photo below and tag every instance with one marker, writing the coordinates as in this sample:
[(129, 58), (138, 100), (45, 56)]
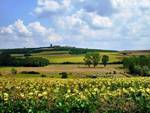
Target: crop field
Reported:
[(64, 56), (59, 57), (74, 71), (40, 95), (66, 85)]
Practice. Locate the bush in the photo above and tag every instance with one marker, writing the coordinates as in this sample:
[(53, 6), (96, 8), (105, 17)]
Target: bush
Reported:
[(138, 65), (63, 75), (145, 71), (92, 76), (43, 76), (29, 72), (114, 72), (67, 63), (13, 71), (138, 70)]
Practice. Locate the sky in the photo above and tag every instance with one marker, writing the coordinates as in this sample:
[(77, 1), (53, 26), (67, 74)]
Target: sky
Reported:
[(103, 24)]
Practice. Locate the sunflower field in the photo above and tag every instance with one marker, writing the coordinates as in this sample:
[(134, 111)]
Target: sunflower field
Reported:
[(103, 95)]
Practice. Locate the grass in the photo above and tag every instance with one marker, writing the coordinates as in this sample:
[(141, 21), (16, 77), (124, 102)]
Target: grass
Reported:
[(63, 56)]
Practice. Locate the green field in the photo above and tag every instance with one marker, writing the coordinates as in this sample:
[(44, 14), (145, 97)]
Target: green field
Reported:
[(63, 56)]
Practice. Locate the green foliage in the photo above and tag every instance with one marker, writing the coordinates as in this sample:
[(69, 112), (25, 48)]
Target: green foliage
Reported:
[(43, 75), (92, 59), (5, 59), (27, 54), (137, 70), (146, 70), (88, 60), (105, 60), (43, 95), (64, 75), (95, 59), (8, 60), (139, 65), (29, 72), (77, 51)]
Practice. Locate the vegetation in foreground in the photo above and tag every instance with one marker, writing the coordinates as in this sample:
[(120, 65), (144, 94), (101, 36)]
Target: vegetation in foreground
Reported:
[(75, 95)]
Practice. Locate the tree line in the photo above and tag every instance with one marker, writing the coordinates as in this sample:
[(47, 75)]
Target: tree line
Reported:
[(94, 59), (137, 65), (8, 60)]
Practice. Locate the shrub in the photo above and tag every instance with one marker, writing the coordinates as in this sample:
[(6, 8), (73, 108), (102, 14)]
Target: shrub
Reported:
[(137, 70), (138, 65), (29, 72), (13, 71), (67, 63), (145, 71), (92, 76), (43, 76), (114, 72), (63, 75)]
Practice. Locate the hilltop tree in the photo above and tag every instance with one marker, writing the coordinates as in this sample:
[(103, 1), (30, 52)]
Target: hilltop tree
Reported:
[(105, 60), (92, 59)]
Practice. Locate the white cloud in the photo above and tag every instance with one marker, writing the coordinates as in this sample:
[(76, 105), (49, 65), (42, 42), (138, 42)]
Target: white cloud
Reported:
[(47, 5), (33, 34), (50, 7), (21, 28), (112, 24)]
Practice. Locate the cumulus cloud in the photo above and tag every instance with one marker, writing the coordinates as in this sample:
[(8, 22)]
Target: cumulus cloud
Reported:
[(33, 34), (106, 24)]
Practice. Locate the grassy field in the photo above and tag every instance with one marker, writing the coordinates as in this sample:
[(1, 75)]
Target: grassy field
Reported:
[(63, 56), (60, 57)]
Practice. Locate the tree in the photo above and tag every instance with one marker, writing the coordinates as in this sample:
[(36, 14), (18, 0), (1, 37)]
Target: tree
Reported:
[(95, 59), (105, 60), (27, 54), (92, 59), (138, 65), (88, 60)]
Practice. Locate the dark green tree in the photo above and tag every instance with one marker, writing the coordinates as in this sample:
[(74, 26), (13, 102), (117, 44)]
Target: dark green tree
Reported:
[(87, 59), (95, 59), (105, 60), (92, 59)]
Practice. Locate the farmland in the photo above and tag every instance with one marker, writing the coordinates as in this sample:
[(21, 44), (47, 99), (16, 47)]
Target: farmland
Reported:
[(130, 95), (103, 89)]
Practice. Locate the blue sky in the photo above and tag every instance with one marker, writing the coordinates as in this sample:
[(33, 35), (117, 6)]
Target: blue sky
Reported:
[(104, 24)]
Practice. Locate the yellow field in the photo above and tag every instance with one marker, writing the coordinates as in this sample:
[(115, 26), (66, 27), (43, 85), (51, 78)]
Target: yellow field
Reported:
[(125, 95)]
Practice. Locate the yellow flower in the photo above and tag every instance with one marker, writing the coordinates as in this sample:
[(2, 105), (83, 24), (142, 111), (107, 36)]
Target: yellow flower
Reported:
[(6, 96), (40, 95), (44, 93)]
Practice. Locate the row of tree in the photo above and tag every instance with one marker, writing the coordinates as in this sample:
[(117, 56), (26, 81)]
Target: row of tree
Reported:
[(8, 60), (138, 65), (94, 59)]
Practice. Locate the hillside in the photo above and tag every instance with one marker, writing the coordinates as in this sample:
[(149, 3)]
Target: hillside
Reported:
[(71, 55)]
